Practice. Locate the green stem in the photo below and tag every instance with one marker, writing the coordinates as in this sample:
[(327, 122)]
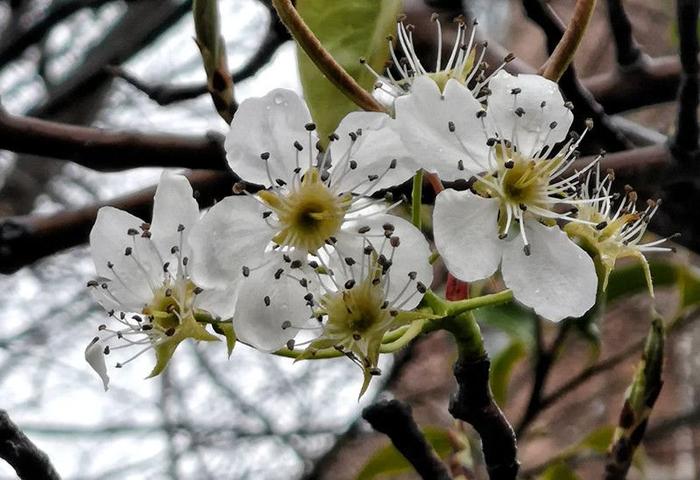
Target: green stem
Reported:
[(460, 306), (417, 199), (467, 334)]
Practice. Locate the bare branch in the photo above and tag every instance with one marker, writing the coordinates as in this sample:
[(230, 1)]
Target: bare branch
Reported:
[(394, 419), (29, 462), (626, 47), (685, 145), (109, 151), (24, 240)]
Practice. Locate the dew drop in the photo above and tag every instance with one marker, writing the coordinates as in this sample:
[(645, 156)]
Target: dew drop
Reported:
[(278, 99)]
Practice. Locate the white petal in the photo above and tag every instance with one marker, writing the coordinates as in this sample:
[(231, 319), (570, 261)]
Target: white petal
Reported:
[(219, 302), (94, 355), (533, 127), (423, 118), (230, 235), (269, 124), (411, 255), (173, 205), (259, 324), (466, 234), (558, 279), (133, 277), (373, 151)]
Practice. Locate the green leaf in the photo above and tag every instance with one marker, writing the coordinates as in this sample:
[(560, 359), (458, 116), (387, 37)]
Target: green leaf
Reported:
[(502, 367), (596, 441), (559, 471), (349, 30), (226, 329), (511, 318), (387, 462), (689, 286)]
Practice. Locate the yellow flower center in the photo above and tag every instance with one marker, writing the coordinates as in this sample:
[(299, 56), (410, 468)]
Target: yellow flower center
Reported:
[(524, 183), (308, 214)]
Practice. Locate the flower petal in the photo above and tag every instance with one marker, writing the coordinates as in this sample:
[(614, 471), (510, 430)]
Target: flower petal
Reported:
[(173, 205), (558, 278), (466, 234), (265, 303), (269, 124), (423, 120), (528, 132), (230, 235), (411, 255), (373, 151), (220, 302), (132, 276), (95, 356)]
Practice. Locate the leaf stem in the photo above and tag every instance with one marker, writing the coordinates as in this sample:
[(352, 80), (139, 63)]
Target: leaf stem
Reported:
[(322, 58)]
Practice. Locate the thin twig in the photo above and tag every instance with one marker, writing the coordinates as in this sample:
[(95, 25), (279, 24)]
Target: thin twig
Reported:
[(563, 55), (322, 59), (29, 462), (394, 419)]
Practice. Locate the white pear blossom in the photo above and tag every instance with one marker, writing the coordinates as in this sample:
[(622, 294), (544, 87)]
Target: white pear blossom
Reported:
[(462, 65), (364, 292), (313, 202), (519, 187), (143, 278), (615, 231)]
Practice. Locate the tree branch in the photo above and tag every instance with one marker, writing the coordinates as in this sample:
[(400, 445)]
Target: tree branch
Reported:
[(393, 418), (685, 144), (14, 46), (109, 151), (24, 240), (626, 48), (29, 462), (166, 94)]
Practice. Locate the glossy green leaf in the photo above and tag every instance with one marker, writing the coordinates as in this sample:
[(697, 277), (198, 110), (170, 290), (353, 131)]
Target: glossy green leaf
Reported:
[(511, 318), (387, 462), (502, 367), (349, 30), (558, 471)]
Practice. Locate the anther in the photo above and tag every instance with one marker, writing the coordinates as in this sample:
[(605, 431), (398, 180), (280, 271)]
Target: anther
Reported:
[(516, 91), (353, 136), (412, 275), (481, 114), (374, 371), (353, 164), (290, 344), (509, 164), (310, 127), (309, 296), (523, 207), (460, 165), (286, 258), (509, 58), (356, 337), (349, 261), (569, 105), (170, 332), (245, 270), (298, 146), (127, 251), (393, 163), (168, 292), (451, 126), (146, 327), (349, 284), (491, 142), (543, 104), (553, 125), (197, 290), (174, 249), (304, 282), (395, 242), (266, 213), (132, 232), (185, 261), (180, 227), (313, 264), (526, 250), (295, 264), (333, 137), (106, 350), (601, 225), (280, 182), (368, 250), (92, 283), (421, 287), (364, 229), (238, 188), (265, 155), (146, 234), (372, 178), (266, 300), (286, 324), (278, 273), (589, 123)]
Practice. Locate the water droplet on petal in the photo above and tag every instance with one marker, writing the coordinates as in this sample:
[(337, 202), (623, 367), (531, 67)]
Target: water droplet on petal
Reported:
[(278, 99)]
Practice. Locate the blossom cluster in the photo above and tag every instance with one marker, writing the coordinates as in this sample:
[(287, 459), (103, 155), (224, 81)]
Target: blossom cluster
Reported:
[(315, 259)]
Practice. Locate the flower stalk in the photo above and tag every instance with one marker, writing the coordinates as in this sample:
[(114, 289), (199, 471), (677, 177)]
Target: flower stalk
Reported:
[(563, 54)]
